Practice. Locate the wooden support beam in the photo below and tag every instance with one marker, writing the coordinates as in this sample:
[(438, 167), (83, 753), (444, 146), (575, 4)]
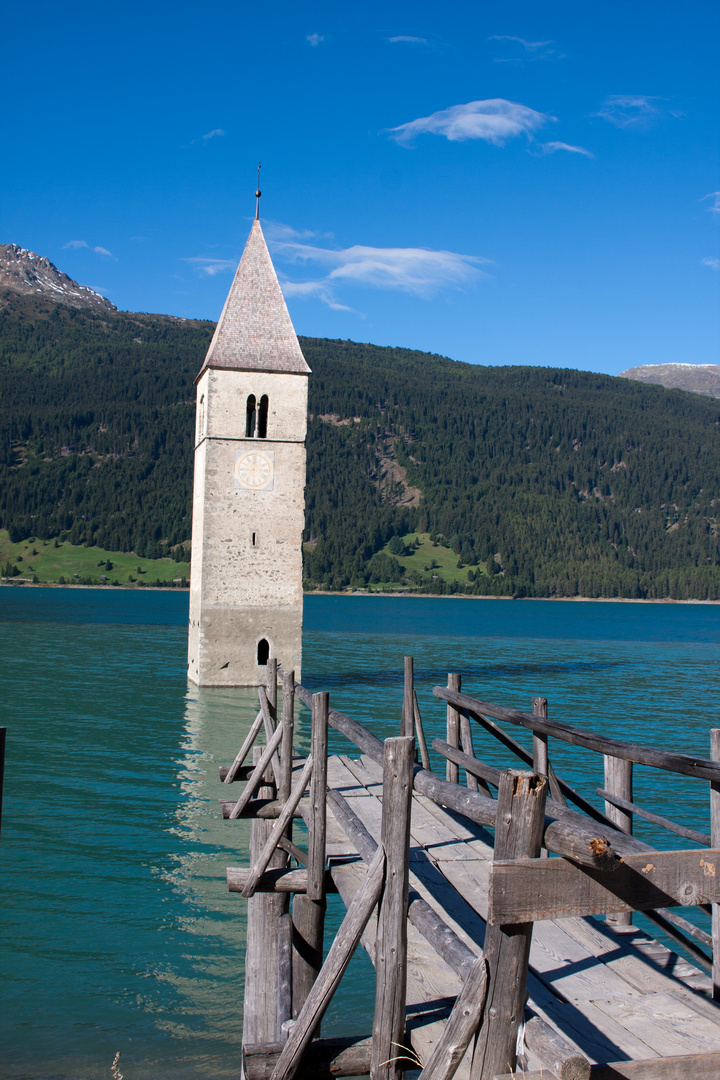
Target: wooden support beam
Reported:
[(308, 936), (460, 1026), (391, 940), (279, 879), (452, 773), (243, 772), (657, 819), (261, 952), (715, 834), (344, 944), (618, 780), (271, 728), (556, 1054), (288, 726), (420, 735), (309, 911), (257, 775), (285, 982), (244, 750), (268, 809), (279, 828), (293, 850), (318, 794), (324, 1059), (407, 726), (271, 685), (535, 889), (518, 836), (540, 742)]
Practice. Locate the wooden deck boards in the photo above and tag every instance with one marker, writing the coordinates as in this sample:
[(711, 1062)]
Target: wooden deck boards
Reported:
[(617, 995)]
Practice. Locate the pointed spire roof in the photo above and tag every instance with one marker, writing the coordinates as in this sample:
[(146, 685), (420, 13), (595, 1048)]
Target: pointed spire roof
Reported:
[(255, 332)]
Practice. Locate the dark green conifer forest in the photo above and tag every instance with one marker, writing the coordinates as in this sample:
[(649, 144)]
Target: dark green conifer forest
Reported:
[(541, 481)]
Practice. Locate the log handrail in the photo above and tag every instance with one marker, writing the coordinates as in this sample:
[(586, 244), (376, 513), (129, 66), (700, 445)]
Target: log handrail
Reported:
[(563, 837), (685, 764)]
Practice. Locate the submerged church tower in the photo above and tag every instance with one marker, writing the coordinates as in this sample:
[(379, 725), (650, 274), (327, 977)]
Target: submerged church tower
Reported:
[(248, 496)]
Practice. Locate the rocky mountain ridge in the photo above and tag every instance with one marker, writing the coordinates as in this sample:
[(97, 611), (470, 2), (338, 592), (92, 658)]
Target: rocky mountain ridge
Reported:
[(28, 273), (697, 378)]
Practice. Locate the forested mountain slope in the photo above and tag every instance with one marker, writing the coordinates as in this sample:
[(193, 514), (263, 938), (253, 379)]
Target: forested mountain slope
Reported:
[(558, 482)]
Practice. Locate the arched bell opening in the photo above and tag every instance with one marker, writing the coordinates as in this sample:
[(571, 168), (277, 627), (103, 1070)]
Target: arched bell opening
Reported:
[(251, 417), (263, 417)]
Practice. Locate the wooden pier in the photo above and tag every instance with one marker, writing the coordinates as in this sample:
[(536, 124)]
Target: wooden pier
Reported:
[(498, 912)]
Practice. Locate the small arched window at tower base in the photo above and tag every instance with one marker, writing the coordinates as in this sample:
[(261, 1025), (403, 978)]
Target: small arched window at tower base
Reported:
[(263, 652)]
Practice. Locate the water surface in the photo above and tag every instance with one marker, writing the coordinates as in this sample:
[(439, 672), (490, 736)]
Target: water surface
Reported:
[(117, 928)]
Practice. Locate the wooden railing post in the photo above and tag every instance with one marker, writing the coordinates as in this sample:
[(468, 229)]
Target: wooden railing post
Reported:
[(420, 735), (309, 909), (408, 713), (540, 742), (518, 835), (391, 942), (715, 840), (452, 772), (288, 726), (540, 748), (618, 781), (271, 685), (265, 910)]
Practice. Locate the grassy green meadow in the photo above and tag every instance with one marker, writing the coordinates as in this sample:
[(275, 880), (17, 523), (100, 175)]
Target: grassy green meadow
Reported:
[(429, 560), (55, 561)]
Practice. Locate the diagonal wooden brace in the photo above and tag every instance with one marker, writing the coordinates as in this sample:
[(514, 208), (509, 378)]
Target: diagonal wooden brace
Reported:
[(278, 828)]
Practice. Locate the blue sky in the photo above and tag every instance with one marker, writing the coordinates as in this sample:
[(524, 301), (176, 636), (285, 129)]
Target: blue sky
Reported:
[(514, 183)]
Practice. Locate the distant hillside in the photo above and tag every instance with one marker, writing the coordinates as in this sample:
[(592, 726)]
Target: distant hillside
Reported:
[(532, 481), (698, 378)]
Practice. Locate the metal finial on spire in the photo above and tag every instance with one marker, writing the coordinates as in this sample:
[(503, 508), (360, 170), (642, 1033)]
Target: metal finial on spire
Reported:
[(258, 193)]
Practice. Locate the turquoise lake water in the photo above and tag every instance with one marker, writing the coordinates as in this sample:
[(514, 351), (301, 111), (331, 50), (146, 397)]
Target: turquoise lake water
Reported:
[(117, 929)]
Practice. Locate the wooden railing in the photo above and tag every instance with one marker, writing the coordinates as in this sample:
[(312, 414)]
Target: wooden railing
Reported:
[(604, 870)]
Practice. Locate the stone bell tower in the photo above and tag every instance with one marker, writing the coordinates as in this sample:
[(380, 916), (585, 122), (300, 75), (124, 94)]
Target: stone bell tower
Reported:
[(249, 489)]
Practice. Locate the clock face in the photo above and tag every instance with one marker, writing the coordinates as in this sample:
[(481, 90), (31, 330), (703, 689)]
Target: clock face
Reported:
[(255, 469)]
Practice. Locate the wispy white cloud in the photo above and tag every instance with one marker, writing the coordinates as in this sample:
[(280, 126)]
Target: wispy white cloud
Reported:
[(76, 245), (409, 39), (318, 290), (714, 207), (528, 50), (315, 39), (553, 147), (494, 120), (417, 271), (213, 134), (277, 231), (714, 264), (211, 266), (629, 110)]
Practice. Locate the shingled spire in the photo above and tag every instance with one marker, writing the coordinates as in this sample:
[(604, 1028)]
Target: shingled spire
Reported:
[(255, 332)]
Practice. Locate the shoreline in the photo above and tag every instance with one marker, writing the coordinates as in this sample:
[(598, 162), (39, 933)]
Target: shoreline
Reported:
[(386, 595)]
